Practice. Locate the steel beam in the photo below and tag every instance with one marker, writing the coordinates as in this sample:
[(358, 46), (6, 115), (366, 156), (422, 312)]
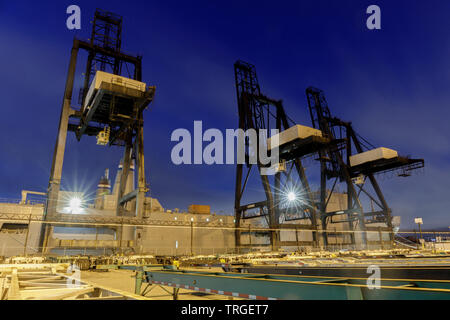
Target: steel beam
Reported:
[(275, 287), (58, 155)]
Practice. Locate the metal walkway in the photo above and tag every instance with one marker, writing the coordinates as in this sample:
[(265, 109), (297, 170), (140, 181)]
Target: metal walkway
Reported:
[(52, 282), (287, 287)]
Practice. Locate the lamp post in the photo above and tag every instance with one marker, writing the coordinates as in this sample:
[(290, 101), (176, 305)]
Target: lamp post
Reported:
[(419, 221)]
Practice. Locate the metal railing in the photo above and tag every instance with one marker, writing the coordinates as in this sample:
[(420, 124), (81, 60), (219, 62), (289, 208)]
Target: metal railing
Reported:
[(19, 201)]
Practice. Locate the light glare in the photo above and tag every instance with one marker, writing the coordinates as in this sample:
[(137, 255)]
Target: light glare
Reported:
[(74, 204), (291, 196)]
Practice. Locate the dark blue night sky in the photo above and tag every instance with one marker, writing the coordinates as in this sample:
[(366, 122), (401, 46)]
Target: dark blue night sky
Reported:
[(393, 84)]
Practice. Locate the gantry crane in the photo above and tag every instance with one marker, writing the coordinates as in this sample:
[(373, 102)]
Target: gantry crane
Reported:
[(335, 165), (112, 101), (257, 111), (334, 146)]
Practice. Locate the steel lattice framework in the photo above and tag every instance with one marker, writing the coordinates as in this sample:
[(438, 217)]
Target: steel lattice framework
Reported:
[(338, 143), (257, 111), (122, 115), (335, 166)]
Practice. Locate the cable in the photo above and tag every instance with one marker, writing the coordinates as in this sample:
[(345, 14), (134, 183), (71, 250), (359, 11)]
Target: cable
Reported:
[(359, 136)]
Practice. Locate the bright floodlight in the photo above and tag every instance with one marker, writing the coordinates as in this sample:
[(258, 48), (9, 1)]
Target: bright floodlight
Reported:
[(291, 196), (74, 204)]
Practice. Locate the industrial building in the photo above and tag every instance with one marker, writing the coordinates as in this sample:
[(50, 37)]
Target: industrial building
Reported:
[(168, 232)]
